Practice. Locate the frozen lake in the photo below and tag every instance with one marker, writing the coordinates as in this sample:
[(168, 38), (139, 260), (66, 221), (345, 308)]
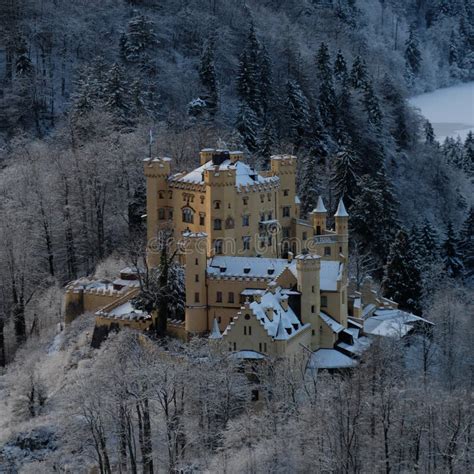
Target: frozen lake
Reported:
[(450, 110)]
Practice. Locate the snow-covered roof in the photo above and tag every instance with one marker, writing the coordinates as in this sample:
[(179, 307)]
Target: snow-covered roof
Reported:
[(245, 175), (330, 359), (332, 323), (341, 210), (247, 355), (126, 311), (360, 345), (270, 268), (320, 206), (278, 322), (391, 323)]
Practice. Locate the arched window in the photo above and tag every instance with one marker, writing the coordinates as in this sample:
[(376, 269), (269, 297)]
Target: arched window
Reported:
[(217, 224), (218, 246), (217, 204), (188, 215)]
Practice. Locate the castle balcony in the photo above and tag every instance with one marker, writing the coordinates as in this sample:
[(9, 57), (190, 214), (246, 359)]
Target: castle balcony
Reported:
[(325, 239)]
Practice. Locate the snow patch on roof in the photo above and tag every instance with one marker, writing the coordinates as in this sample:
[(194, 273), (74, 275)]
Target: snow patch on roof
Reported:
[(330, 359)]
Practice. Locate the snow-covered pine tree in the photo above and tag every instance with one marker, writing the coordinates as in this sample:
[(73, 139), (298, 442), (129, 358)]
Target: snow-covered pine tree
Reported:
[(247, 126), (453, 53), (453, 150), (265, 79), (139, 37), (207, 75), (248, 76), (359, 74), (402, 278), (412, 53), (326, 96), (117, 93), (371, 105), (466, 245), (23, 65), (340, 68), (468, 155), (429, 133), (265, 144), (297, 107), (451, 257), (345, 177), (309, 187)]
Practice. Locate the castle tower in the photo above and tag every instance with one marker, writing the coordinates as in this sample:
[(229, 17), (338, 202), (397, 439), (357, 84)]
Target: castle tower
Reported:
[(342, 228), (308, 268), (318, 217), (195, 280), (158, 202)]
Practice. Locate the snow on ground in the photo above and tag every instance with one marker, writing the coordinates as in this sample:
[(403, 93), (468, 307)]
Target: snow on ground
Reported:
[(450, 110)]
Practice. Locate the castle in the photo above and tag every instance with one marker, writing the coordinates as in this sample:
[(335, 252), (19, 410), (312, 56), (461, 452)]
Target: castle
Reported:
[(259, 279)]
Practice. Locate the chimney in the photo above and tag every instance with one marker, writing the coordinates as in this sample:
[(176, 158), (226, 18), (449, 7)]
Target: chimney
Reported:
[(258, 296), (272, 287), (290, 257), (284, 302)]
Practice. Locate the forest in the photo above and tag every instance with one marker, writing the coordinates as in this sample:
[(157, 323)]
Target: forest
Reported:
[(89, 89)]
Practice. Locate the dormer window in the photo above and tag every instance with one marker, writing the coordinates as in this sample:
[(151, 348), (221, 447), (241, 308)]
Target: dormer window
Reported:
[(270, 271), (246, 270)]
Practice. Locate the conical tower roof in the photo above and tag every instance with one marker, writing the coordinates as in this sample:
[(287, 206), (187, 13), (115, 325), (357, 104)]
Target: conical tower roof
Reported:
[(320, 206), (341, 210), (215, 333)]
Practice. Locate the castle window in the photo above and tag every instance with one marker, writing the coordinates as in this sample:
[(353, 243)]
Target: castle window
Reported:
[(305, 235), (219, 319), (286, 211), (269, 197), (196, 277), (202, 218), (286, 234), (286, 192), (188, 215), (161, 214), (218, 246), (219, 297), (312, 308), (264, 347), (202, 198), (312, 289), (196, 297), (262, 198), (247, 316), (170, 214), (318, 230), (327, 251), (245, 330), (196, 261), (270, 215), (231, 297), (260, 347), (217, 224), (250, 330), (160, 194), (246, 242), (245, 200), (217, 204), (235, 346), (170, 194), (229, 223), (313, 332), (324, 301), (245, 220), (340, 249)]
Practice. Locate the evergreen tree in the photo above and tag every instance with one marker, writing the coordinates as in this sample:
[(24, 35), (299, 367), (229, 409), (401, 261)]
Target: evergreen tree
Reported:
[(248, 75), (139, 37), (453, 150), (451, 258), (402, 278), (412, 53), (466, 244), (345, 176), (309, 189), (359, 74), (23, 64), (371, 105), (207, 75), (265, 79), (429, 133), (247, 126), (266, 142), (117, 93), (340, 68), (468, 155), (327, 96), (297, 106), (453, 54)]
